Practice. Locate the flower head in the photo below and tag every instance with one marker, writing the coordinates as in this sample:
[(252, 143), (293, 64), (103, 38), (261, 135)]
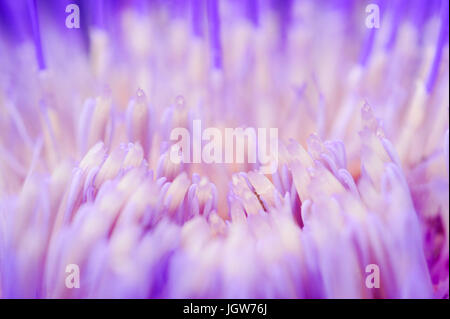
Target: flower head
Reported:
[(361, 179)]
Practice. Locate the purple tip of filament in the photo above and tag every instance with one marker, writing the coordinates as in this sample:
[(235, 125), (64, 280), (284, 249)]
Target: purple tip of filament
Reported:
[(9, 22), (32, 6), (370, 37), (97, 13), (197, 17), (399, 9), (252, 7), (284, 11), (441, 41), (367, 48), (214, 32)]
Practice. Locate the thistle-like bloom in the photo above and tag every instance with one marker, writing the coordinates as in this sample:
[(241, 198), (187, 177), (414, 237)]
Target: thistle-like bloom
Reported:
[(362, 170)]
